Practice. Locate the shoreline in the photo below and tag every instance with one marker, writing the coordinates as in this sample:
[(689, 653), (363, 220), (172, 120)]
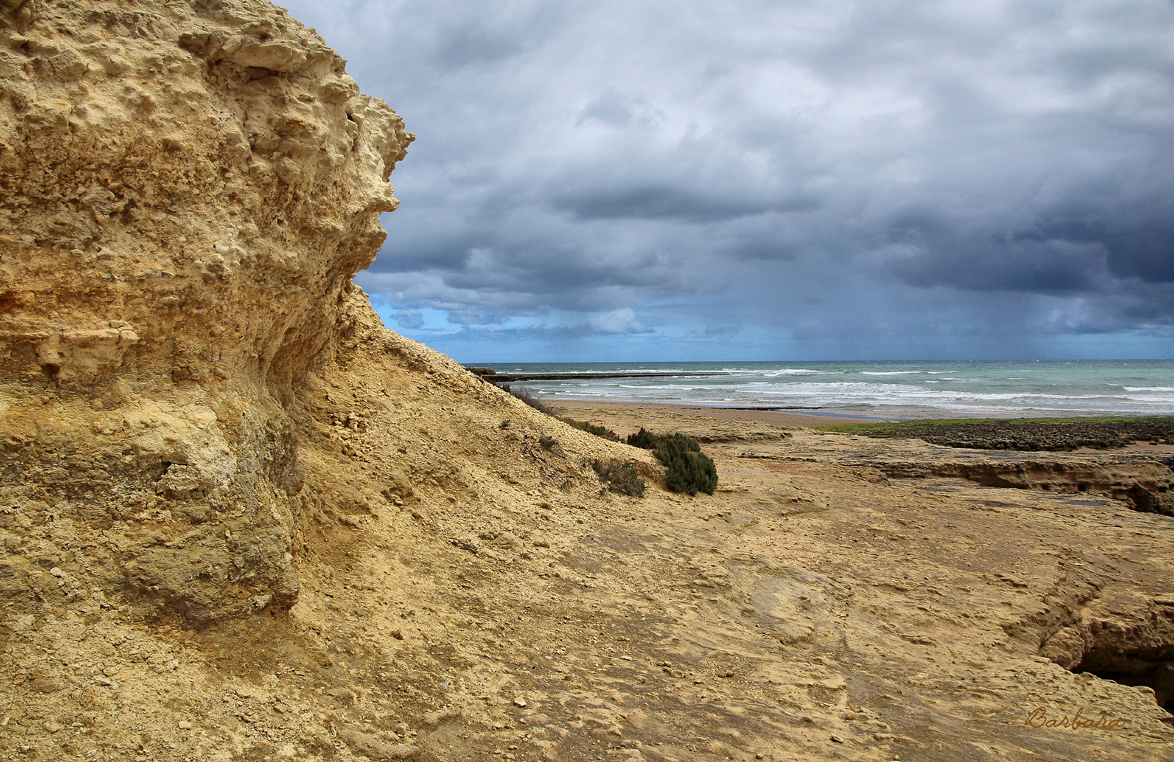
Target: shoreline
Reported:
[(773, 417), (811, 417)]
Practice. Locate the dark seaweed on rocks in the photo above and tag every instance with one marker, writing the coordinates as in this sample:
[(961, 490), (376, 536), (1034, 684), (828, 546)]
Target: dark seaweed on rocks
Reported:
[(1025, 435)]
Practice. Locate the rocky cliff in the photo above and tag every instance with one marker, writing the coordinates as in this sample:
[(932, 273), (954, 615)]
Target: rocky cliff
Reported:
[(187, 190)]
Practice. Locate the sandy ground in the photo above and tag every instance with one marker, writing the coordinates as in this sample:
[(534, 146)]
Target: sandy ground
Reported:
[(837, 598)]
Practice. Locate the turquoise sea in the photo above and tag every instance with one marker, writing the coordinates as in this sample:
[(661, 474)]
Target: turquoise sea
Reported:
[(884, 390)]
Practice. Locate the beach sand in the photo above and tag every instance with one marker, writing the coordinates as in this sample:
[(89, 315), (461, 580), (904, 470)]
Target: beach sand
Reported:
[(627, 417)]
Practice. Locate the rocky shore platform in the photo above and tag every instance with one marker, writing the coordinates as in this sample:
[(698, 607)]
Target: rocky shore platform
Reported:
[(1029, 435)]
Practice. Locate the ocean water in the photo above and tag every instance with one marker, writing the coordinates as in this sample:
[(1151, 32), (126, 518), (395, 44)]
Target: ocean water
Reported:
[(881, 390)]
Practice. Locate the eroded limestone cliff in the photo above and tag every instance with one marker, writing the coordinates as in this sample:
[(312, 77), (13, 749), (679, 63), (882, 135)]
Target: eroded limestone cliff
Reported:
[(186, 191), (201, 418)]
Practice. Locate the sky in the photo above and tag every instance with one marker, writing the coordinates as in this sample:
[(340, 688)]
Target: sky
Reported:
[(774, 180)]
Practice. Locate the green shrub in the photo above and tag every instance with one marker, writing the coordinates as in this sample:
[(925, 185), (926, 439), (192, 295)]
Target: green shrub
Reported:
[(687, 469), (644, 440), (621, 476), (590, 428)]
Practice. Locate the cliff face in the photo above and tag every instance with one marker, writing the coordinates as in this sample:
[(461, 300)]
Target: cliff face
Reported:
[(186, 191), (218, 470)]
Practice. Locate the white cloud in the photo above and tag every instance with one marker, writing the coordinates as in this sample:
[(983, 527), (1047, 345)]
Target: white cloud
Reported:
[(617, 321)]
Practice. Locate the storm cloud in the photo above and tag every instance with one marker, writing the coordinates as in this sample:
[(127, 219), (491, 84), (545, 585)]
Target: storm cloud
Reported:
[(773, 180)]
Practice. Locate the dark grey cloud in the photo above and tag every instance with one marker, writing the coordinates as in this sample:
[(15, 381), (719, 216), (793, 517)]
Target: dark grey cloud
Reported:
[(650, 202), (617, 109), (409, 319), (929, 250), (1144, 251), (1146, 254), (490, 35), (775, 178)]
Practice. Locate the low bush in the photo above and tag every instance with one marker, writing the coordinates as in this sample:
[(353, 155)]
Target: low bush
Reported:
[(591, 428), (644, 439), (687, 469), (621, 476)]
